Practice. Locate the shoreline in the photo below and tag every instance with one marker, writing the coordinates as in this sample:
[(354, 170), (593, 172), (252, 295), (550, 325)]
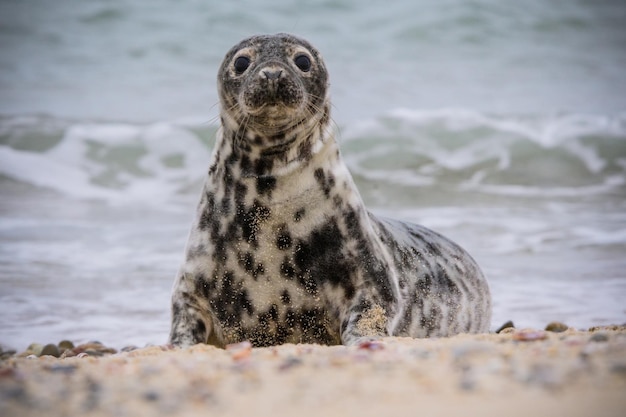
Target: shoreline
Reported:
[(516, 372)]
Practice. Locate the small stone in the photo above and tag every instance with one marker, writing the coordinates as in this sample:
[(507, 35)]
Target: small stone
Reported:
[(82, 355), (35, 349), (608, 328), (65, 345), (556, 327), (151, 396), (94, 348), (32, 357), (371, 345), (51, 350), (290, 362), (129, 348), (239, 351), (599, 337), (508, 325), (6, 354), (529, 336), (508, 330)]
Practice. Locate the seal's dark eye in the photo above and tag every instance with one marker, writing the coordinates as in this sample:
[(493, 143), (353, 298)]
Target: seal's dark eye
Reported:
[(303, 62), (241, 64)]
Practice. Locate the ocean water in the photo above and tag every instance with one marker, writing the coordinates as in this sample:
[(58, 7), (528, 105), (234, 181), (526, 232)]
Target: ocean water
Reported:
[(501, 124)]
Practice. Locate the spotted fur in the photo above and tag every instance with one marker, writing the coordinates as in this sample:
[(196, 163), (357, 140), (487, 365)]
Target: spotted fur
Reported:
[(283, 249)]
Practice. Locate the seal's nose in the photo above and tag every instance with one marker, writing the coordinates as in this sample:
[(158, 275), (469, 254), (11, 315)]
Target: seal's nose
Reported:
[(272, 75)]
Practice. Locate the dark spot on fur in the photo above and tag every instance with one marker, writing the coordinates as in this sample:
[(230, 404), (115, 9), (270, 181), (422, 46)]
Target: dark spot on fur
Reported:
[(206, 217), (199, 331), (265, 185), (285, 297), (213, 167), (319, 259), (298, 215), (308, 283), (247, 262), (249, 220), (232, 158), (225, 206), (283, 240), (326, 182), (287, 269), (203, 286), (245, 164), (273, 312), (263, 166), (424, 284), (240, 192), (245, 303), (433, 249), (305, 150)]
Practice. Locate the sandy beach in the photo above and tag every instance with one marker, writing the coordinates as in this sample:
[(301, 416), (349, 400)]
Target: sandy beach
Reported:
[(517, 372)]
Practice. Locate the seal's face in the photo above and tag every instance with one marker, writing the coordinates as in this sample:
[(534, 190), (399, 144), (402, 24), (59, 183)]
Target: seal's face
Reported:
[(269, 84)]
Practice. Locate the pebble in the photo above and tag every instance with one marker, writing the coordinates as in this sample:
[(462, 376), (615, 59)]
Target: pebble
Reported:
[(239, 351), (51, 350), (508, 325), (556, 327), (529, 336), (129, 348), (64, 349), (34, 349), (6, 354), (65, 345), (94, 349), (151, 396), (371, 345), (599, 337), (289, 363)]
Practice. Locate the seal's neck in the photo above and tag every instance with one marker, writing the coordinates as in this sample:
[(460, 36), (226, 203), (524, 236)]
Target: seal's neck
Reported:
[(272, 149), (275, 168)]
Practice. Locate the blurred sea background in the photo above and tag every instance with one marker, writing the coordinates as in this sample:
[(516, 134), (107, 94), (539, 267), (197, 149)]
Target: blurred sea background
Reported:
[(499, 123)]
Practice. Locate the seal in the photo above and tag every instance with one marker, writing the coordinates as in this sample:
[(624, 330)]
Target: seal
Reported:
[(283, 250)]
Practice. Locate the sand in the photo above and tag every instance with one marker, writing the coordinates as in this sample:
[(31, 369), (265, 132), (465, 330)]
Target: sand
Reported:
[(514, 373)]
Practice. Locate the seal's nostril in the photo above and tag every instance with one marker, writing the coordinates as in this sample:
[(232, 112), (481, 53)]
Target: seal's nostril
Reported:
[(272, 75)]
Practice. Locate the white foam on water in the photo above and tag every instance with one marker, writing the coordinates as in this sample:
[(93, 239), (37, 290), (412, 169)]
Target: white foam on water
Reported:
[(72, 166), (609, 184), (42, 171), (547, 131)]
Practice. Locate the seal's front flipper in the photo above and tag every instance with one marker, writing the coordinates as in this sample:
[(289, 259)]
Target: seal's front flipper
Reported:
[(189, 325), (365, 322)]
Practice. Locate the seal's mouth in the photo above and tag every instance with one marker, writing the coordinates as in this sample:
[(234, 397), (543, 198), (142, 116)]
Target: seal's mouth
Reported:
[(273, 95)]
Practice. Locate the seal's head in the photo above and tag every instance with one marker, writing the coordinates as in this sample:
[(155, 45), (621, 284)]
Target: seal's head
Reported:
[(271, 84)]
